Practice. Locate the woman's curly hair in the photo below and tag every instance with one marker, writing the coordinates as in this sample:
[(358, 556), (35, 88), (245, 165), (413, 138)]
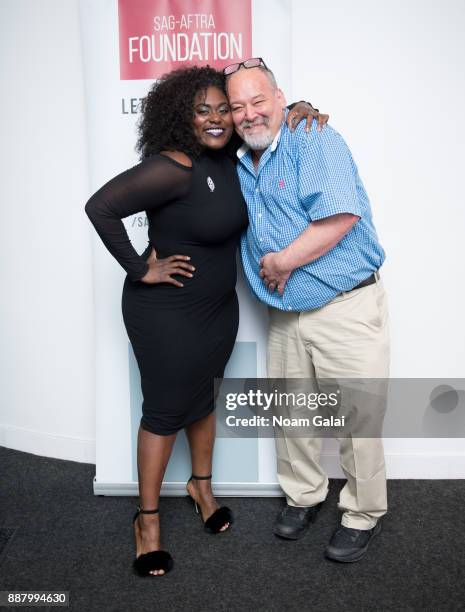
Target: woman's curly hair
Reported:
[(167, 117)]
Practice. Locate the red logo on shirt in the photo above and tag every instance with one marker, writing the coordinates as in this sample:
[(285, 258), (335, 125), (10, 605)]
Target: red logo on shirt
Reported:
[(281, 184), (156, 36)]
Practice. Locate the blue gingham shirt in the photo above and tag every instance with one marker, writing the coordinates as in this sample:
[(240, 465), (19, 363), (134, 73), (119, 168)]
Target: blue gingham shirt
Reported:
[(303, 177)]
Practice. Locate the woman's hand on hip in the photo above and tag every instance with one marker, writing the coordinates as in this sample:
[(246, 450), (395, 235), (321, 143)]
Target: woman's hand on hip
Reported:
[(160, 270)]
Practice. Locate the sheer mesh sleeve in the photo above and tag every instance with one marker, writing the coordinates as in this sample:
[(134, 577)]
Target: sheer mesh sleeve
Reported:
[(153, 183)]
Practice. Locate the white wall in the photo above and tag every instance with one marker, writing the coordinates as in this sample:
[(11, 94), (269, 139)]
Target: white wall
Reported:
[(391, 76), (46, 309)]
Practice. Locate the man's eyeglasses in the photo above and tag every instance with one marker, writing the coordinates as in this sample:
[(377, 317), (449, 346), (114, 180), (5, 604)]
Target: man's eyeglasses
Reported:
[(253, 62)]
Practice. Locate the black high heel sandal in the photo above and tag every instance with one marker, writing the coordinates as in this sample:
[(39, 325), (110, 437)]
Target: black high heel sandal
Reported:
[(154, 560), (216, 520)]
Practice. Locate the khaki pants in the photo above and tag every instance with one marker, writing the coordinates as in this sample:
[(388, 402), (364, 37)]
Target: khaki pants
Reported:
[(347, 338)]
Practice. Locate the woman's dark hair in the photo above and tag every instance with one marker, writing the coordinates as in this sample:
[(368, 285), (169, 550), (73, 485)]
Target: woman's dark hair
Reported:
[(167, 117)]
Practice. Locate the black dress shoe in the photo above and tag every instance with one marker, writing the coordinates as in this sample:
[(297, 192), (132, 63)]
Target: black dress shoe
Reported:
[(293, 521), (348, 545)]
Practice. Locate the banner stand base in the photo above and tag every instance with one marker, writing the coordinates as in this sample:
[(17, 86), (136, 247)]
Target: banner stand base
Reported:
[(178, 489)]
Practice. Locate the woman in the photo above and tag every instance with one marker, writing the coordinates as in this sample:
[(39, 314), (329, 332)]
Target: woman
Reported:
[(179, 303)]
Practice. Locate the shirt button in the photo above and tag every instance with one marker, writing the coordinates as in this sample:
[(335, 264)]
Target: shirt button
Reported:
[(261, 239), (289, 307), (257, 190), (259, 215)]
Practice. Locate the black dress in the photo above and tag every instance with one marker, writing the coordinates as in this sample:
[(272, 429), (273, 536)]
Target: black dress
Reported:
[(182, 336)]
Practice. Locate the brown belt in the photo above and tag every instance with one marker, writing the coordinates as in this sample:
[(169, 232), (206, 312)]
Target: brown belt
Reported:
[(368, 281)]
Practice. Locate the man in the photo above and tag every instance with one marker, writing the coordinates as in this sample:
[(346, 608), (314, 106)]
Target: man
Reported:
[(312, 254)]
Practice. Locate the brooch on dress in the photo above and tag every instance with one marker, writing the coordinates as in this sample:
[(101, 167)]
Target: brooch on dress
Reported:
[(211, 184)]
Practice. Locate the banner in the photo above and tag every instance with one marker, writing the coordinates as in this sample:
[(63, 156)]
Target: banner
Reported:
[(156, 37), (128, 44)]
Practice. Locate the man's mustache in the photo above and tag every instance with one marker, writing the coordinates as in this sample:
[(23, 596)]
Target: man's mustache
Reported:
[(261, 121)]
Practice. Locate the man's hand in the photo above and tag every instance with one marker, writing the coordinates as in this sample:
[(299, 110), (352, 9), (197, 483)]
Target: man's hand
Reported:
[(314, 242), (160, 270), (274, 271), (303, 110)]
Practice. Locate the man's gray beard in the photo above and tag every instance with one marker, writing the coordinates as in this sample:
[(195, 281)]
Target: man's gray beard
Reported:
[(258, 142)]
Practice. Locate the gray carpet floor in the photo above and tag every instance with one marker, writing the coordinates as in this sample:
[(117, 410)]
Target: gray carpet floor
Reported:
[(68, 539)]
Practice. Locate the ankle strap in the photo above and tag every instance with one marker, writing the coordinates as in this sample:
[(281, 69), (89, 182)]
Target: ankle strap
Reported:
[(201, 477), (147, 511)]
